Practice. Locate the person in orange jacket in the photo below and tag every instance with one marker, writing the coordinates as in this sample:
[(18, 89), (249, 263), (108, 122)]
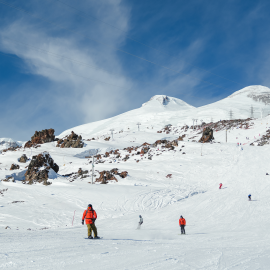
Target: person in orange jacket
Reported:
[(182, 224), (90, 217)]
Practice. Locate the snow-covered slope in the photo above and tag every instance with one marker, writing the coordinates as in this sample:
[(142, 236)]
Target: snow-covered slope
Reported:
[(224, 230), (162, 110), (154, 113), (240, 104), (40, 226)]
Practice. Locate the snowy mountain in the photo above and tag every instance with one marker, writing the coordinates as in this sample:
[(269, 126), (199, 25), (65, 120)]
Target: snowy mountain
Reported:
[(40, 225), (161, 110), (157, 112)]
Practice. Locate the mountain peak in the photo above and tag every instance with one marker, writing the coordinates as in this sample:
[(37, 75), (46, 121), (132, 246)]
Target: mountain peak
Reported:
[(166, 102)]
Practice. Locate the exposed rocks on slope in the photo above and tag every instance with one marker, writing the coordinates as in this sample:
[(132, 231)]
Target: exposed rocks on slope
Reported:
[(40, 137), (11, 149), (14, 167), (23, 158), (265, 139), (2, 191), (207, 135), (106, 176), (39, 168), (71, 141)]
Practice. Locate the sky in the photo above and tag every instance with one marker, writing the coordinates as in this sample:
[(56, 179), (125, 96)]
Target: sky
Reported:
[(65, 63)]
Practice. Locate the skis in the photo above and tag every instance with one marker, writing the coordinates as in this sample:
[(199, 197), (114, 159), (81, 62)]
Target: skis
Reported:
[(94, 238)]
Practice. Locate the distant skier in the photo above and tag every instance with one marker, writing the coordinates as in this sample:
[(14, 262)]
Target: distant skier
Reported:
[(182, 224), (90, 217), (220, 185), (249, 197), (140, 222)]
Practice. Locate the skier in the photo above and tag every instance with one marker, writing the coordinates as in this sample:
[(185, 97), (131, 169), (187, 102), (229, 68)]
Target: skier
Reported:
[(140, 222), (182, 224), (90, 216), (249, 197), (220, 185)]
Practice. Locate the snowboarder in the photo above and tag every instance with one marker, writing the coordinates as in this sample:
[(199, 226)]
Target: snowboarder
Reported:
[(90, 217), (220, 185), (140, 222), (182, 224), (249, 197)]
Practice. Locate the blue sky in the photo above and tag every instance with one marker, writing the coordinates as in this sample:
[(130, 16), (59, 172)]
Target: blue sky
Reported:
[(64, 63)]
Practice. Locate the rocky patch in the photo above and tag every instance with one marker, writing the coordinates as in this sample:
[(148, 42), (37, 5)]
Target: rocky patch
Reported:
[(40, 137), (207, 135), (39, 168), (71, 141), (2, 191), (106, 176), (14, 167), (23, 158)]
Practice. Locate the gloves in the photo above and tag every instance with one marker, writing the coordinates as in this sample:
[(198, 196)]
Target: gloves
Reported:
[(82, 222)]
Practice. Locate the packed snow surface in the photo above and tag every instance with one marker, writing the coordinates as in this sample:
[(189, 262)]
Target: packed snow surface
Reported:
[(40, 226)]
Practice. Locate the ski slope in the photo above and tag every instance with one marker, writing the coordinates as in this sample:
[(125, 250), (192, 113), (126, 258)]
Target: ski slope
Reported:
[(224, 229)]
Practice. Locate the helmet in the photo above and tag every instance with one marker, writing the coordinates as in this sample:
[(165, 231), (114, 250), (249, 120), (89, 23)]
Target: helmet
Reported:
[(181, 216), (90, 205), (140, 216)]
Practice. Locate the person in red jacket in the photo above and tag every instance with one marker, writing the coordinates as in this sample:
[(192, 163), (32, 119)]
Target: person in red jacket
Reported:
[(182, 224), (90, 217), (220, 185)]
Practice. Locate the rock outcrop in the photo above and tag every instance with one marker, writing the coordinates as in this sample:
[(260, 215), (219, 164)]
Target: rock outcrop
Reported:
[(106, 176), (14, 167), (23, 158), (40, 137), (207, 135), (71, 141), (39, 169)]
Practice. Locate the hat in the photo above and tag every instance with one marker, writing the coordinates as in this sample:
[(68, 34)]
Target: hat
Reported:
[(90, 205)]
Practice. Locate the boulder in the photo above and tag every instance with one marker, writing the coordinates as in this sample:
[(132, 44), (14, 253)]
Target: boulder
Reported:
[(71, 141), (23, 158), (207, 135), (14, 167), (40, 137), (81, 172), (39, 169)]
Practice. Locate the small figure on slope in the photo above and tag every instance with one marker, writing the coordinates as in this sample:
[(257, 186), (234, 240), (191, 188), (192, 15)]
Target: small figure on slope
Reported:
[(182, 224), (249, 197), (90, 217), (220, 185), (140, 222)]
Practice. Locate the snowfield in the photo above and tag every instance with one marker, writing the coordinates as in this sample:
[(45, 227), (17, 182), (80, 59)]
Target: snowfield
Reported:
[(224, 230)]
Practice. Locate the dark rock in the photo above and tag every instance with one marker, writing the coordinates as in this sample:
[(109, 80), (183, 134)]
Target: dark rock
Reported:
[(81, 172), (40, 137), (9, 179), (14, 167), (23, 158), (39, 167), (106, 176), (71, 141), (207, 135)]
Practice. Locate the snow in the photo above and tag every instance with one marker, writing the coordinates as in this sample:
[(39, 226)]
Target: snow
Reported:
[(224, 229)]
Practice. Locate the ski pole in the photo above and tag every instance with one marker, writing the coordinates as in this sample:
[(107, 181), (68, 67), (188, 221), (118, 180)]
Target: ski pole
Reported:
[(73, 217)]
